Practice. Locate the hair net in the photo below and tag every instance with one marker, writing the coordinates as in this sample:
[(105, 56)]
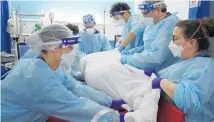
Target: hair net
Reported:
[(161, 3), (48, 38), (89, 19)]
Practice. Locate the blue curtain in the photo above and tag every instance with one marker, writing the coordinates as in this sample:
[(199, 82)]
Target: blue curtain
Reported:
[(199, 9), (5, 36)]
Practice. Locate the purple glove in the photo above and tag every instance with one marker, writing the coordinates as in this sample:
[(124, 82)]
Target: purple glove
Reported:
[(149, 72), (117, 104), (122, 116), (156, 83)]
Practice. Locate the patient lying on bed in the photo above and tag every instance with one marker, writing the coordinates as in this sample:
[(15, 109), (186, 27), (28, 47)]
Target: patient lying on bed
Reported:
[(103, 71)]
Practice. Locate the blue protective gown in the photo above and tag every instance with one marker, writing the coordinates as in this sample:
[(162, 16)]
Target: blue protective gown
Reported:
[(194, 93), (92, 43), (85, 91), (155, 52), (134, 25), (32, 91)]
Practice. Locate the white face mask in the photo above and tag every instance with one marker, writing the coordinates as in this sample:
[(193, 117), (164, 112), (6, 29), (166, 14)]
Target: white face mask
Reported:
[(67, 59), (120, 22), (90, 31), (175, 49), (148, 21)]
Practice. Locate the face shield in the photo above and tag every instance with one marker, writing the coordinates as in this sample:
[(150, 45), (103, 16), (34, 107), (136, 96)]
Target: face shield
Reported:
[(117, 14), (146, 7), (117, 18), (51, 37)]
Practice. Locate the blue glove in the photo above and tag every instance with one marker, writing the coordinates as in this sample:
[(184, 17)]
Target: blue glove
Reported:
[(77, 75), (125, 52), (123, 59), (117, 104), (121, 48), (122, 116), (156, 83), (149, 72)]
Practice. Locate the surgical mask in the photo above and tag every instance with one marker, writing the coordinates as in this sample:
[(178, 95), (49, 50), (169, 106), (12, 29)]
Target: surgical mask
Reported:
[(67, 59), (90, 31), (175, 49), (148, 21), (120, 22)]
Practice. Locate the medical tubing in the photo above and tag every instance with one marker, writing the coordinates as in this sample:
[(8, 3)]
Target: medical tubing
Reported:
[(103, 112)]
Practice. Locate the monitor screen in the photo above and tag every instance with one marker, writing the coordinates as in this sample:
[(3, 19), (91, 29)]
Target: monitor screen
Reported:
[(22, 48)]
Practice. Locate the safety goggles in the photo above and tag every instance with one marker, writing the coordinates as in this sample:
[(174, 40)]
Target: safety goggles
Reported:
[(174, 38)]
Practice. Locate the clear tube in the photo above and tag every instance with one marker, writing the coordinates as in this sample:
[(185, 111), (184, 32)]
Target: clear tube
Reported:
[(115, 117)]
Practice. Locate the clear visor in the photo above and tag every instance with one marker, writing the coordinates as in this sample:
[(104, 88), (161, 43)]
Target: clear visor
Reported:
[(116, 13), (149, 6)]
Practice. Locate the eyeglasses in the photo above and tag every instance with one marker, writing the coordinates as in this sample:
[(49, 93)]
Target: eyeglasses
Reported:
[(174, 38), (145, 12)]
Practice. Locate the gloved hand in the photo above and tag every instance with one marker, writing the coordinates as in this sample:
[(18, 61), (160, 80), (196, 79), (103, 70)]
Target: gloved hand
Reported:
[(156, 83), (77, 75), (121, 48), (149, 72), (122, 116), (123, 59), (125, 52), (117, 104)]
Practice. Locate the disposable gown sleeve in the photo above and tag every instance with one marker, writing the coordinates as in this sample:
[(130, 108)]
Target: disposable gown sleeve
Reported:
[(106, 44), (136, 25), (158, 52), (86, 91), (196, 87), (132, 51), (55, 100)]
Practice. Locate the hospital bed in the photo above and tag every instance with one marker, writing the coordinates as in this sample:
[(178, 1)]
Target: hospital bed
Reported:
[(166, 113)]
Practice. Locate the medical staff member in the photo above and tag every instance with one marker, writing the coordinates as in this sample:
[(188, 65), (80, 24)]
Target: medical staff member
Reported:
[(189, 83), (34, 89), (157, 36), (91, 40), (30, 53), (133, 28)]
